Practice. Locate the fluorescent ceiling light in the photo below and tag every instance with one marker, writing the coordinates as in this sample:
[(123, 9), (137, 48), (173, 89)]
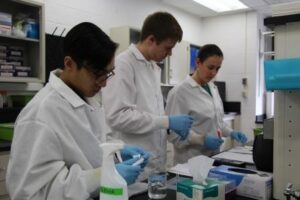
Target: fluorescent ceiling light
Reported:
[(222, 5)]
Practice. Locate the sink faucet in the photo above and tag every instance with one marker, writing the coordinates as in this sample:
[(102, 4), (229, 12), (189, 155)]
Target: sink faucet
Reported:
[(288, 193), (296, 195)]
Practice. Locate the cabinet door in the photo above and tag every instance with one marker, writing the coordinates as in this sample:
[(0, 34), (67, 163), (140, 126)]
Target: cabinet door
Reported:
[(4, 156), (179, 62)]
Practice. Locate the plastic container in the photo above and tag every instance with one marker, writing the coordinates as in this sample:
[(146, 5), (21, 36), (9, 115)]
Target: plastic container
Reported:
[(282, 74), (113, 186), (20, 100), (6, 131), (32, 28)]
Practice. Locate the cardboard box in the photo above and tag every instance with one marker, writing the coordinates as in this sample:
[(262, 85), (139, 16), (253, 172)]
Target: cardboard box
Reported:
[(22, 71), (5, 23), (188, 190), (250, 183), (7, 73)]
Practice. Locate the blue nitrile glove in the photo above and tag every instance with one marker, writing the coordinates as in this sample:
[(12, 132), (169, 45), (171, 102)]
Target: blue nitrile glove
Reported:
[(129, 172), (129, 152), (212, 142), (239, 137), (181, 125)]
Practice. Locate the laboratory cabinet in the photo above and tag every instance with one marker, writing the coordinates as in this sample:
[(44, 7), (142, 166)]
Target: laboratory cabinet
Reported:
[(4, 156), (286, 108), (22, 41)]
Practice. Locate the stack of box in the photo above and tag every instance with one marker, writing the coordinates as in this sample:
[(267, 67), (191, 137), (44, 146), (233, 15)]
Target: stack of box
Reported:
[(5, 23), (12, 62)]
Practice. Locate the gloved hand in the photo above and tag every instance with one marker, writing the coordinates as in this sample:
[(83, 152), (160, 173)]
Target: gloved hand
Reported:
[(129, 152), (212, 142), (181, 125), (129, 172), (239, 137)]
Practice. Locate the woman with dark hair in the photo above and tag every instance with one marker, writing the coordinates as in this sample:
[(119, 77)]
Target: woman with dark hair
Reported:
[(199, 97)]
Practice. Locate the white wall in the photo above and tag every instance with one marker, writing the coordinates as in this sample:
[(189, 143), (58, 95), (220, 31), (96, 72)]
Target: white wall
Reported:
[(237, 36), (114, 13)]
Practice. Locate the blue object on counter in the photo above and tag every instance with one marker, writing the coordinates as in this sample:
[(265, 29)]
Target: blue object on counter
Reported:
[(282, 74)]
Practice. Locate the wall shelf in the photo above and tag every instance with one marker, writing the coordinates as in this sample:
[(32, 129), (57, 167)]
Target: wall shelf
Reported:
[(33, 50)]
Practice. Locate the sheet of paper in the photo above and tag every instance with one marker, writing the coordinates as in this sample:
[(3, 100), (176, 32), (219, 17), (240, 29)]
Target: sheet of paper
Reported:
[(241, 149), (137, 188), (243, 157), (181, 169), (199, 167)]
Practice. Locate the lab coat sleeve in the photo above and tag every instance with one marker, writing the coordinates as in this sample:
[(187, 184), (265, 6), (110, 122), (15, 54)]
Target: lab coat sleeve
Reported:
[(176, 105), (226, 130), (120, 107), (37, 168)]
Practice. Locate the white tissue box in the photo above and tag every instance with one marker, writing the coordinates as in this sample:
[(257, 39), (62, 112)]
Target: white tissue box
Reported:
[(188, 190), (250, 183)]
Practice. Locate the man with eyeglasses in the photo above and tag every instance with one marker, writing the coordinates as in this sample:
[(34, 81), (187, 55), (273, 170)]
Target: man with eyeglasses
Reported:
[(55, 152), (133, 100)]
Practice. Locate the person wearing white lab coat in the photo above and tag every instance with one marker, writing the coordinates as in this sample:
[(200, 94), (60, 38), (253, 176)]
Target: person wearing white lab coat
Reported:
[(198, 96), (55, 152), (133, 99)]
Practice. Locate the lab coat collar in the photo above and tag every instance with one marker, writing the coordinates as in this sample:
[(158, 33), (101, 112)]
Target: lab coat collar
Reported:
[(64, 90), (192, 82), (138, 55)]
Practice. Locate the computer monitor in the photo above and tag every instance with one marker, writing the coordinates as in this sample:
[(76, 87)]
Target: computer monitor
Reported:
[(193, 56)]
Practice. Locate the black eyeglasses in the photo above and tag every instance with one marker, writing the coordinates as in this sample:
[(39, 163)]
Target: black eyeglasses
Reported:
[(101, 77)]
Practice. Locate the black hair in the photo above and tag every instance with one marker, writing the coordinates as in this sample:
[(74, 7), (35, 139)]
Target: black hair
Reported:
[(163, 26), (209, 50), (89, 46)]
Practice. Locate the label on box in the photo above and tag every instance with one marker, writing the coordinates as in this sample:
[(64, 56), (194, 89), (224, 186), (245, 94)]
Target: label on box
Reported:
[(22, 74), (251, 183), (6, 67), (6, 74)]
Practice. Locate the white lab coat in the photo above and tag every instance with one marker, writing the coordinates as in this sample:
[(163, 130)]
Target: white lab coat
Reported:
[(55, 146), (190, 98), (134, 108)]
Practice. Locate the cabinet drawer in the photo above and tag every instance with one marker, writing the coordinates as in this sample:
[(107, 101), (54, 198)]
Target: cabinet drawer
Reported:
[(4, 156), (3, 191)]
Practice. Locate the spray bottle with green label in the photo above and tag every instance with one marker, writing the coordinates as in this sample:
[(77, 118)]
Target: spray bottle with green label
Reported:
[(112, 186)]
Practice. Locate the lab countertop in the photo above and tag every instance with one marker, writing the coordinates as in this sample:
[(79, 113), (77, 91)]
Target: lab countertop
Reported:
[(230, 116), (171, 195)]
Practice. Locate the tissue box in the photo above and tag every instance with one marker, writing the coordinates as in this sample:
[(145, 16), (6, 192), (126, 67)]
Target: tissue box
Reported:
[(188, 190), (250, 183)]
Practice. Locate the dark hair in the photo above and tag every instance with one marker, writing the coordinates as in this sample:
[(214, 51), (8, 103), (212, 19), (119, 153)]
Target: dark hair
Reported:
[(89, 46), (209, 50), (163, 26)]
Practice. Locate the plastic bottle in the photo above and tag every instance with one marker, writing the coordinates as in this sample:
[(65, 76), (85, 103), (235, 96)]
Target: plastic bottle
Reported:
[(112, 186)]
